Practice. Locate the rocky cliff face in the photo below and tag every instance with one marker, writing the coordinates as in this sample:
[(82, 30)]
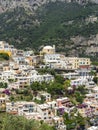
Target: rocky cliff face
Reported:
[(32, 4), (86, 46), (10, 4)]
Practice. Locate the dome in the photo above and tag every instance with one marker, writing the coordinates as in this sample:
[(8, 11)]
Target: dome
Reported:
[(48, 47)]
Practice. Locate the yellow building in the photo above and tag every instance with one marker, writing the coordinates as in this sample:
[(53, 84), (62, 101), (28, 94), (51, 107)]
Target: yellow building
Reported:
[(78, 62), (6, 52), (48, 50), (84, 62)]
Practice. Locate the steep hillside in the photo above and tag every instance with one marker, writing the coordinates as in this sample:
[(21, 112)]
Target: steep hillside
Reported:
[(32, 5), (53, 23)]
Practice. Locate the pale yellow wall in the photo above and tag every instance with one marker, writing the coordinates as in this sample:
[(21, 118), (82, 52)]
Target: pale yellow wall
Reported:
[(48, 51), (75, 61)]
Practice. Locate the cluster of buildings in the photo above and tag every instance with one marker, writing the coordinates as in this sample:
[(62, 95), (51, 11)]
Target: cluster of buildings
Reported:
[(89, 108), (21, 71), (21, 68), (46, 112), (59, 61)]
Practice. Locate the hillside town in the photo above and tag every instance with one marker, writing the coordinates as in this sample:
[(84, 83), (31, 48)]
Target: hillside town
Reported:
[(24, 74)]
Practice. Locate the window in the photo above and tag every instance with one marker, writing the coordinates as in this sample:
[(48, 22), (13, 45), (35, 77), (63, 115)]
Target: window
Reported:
[(44, 113), (49, 112)]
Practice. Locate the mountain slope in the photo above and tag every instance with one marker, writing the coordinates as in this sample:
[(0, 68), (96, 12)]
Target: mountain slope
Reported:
[(53, 23)]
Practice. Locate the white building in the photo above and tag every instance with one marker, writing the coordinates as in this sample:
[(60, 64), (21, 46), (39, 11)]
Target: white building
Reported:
[(55, 61), (41, 78), (7, 75), (51, 58), (45, 111), (71, 75), (20, 107), (79, 82), (93, 128)]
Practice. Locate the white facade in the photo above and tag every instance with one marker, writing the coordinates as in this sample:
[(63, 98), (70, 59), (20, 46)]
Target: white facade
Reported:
[(41, 78), (7, 75), (93, 128), (45, 111), (71, 75), (55, 61), (78, 82), (51, 58), (20, 107)]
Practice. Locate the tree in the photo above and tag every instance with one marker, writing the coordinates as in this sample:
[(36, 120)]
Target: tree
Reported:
[(95, 79), (59, 79), (55, 89), (82, 89), (44, 126), (3, 85), (35, 86), (4, 56), (66, 84), (10, 122), (79, 97), (74, 122), (92, 73)]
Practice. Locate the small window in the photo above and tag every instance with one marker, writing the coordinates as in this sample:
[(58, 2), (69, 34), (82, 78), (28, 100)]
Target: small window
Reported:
[(49, 112), (44, 113)]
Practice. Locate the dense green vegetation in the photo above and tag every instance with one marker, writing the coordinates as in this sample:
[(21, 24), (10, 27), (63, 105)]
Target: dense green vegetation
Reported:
[(4, 56), (3, 85), (54, 23), (73, 121), (55, 88), (95, 63), (21, 95), (11, 122)]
